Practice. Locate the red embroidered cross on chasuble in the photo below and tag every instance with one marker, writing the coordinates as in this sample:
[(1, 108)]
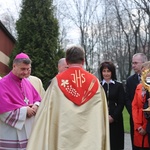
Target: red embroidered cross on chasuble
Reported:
[(78, 85)]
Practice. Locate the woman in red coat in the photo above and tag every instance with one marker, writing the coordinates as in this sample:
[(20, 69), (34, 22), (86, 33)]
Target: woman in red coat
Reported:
[(140, 123)]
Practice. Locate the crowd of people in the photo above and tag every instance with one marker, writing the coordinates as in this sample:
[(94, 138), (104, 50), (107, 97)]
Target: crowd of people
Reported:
[(77, 111)]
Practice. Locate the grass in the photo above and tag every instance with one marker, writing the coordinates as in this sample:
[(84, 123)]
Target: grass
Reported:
[(126, 121)]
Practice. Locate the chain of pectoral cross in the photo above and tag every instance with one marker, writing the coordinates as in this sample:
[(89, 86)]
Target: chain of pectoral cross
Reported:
[(24, 94), (22, 90)]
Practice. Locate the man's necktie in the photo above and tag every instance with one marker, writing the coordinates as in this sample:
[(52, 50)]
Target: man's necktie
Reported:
[(139, 78)]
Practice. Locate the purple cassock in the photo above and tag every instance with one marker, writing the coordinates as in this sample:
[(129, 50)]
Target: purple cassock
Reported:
[(15, 93)]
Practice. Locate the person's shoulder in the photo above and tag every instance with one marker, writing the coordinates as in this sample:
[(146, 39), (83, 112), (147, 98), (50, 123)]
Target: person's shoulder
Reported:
[(139, 86), (132, 77), (91, 76), (34, 77), (5, 78), (118, 82), (89, 73)]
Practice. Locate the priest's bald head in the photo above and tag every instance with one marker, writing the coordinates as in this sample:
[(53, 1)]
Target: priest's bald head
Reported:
[(62, 65)]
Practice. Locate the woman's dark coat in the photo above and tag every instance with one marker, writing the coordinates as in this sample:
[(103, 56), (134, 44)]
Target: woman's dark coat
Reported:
[(116, 99)]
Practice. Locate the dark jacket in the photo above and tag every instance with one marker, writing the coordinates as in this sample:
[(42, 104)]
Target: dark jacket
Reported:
[(116, 101), (131, 85)]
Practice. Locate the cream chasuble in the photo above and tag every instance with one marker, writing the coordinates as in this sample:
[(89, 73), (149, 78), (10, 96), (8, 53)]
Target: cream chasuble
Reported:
[(60, 124)]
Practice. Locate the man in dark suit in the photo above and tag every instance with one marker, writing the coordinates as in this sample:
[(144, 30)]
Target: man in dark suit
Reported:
[(131, 85)]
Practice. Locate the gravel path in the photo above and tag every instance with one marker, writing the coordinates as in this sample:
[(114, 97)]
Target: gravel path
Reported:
[(127, 143)]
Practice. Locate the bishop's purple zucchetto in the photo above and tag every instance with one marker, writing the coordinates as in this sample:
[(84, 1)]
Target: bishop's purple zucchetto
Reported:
[(22, 55)]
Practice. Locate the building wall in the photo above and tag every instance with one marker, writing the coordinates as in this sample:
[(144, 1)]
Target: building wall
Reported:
[(6, 47), (4, 69)]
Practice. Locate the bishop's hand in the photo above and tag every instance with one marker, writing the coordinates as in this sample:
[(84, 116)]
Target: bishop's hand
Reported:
[(30, 112)]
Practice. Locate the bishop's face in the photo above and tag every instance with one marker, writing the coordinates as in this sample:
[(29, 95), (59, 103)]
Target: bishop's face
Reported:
[(21, 70), (106, 74)]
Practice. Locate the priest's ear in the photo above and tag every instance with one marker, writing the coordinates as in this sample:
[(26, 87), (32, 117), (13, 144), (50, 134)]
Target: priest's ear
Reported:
[(14, 65), (83, 62)]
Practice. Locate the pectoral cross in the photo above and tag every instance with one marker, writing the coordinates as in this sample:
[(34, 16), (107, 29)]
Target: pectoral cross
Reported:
[(26, 101)]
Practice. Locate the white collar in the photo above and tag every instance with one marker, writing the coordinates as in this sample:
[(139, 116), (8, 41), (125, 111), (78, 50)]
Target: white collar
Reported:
[(111, 81)]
